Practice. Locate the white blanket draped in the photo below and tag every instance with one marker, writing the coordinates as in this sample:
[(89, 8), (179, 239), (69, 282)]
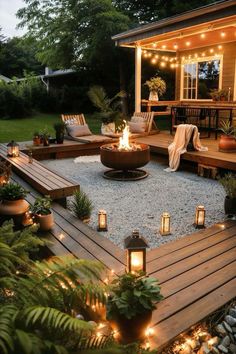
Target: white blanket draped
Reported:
[(179, 146)]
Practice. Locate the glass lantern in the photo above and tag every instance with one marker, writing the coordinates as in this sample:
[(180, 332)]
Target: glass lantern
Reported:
[(165, 224), (200, 217), (13, 149), (102, 220), (136, 252)]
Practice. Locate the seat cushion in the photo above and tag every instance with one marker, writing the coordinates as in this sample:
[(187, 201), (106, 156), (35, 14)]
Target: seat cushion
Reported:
[(78, 130), (137, 127)]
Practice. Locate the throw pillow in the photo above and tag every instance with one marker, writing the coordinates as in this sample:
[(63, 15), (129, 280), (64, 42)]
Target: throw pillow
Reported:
[(137, 127), (78, 130), (138, 119)]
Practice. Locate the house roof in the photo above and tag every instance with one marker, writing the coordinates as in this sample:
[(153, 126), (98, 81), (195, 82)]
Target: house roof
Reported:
[(59, 73), (210, 17), (4, 78)]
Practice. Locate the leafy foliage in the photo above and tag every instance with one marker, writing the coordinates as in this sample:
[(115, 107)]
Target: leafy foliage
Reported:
[(12, 191), (156, 84), (109, 107), (41, 205), (132, 294), (39, 301), (23, 242), (81, 205), (229, 184), (227, 128)]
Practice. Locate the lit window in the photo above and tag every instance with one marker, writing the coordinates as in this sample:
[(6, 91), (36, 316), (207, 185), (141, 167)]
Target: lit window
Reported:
[(200, 78)]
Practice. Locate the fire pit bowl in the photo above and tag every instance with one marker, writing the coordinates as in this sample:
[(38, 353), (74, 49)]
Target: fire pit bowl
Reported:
[(125, 164)]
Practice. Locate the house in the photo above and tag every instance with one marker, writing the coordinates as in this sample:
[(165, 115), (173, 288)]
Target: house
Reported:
[(200, 45)]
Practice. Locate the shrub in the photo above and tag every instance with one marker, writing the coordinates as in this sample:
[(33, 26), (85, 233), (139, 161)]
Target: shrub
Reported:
[(81, 205), (229, 184), (12, 191)]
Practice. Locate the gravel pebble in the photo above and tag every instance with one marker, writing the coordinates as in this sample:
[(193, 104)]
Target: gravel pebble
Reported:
[(139, 204)]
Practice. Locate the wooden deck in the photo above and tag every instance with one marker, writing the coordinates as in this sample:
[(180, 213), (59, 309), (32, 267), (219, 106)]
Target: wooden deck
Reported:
[(159, 144)]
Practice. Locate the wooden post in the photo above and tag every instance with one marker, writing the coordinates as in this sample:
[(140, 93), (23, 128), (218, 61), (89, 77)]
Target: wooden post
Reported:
[(138, 62)]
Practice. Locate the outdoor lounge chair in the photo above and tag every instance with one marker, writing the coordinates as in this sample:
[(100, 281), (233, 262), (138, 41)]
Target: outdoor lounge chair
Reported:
[(147, 119), (79, 120)]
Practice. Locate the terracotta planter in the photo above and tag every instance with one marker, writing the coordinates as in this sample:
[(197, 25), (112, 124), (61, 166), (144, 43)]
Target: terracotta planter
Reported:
[(132, 330), (37, 141), (230, 206), (3, 180), (227, 143), (13, 209), (45, 222)]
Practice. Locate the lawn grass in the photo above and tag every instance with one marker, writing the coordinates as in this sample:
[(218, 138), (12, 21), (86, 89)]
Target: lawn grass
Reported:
[(23, 129)]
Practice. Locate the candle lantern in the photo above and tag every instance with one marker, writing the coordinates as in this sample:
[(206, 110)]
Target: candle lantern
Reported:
[(102, 220), (200, 217), (136, 252), (13, 149), (165, 224)]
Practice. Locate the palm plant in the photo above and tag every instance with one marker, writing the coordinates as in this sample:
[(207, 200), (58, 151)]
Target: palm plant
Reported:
[(81, 205), (40, 300), (109, 107)]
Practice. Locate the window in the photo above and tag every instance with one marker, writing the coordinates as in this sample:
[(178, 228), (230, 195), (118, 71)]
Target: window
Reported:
[(200, 77)]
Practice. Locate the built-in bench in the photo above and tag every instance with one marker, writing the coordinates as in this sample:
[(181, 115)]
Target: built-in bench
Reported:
[(44, 180)]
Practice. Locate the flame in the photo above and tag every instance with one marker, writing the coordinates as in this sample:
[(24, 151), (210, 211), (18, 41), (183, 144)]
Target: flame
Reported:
[(124, 139)]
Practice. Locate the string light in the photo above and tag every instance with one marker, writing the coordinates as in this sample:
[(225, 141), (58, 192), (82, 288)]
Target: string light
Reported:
[(222, 34), (202, 35), (163, 46), (188, 43), (175, 46)]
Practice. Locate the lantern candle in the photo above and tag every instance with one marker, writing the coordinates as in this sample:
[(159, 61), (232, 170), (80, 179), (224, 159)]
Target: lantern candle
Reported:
[(136, 252), (102, 220), (200, 217), (13, 149), (165, 224)]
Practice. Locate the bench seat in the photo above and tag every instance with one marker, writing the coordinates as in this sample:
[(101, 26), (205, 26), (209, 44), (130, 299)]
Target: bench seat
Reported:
[(44, 180)]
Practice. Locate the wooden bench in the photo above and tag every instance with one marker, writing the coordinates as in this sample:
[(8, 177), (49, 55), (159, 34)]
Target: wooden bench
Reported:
[(44, 180)]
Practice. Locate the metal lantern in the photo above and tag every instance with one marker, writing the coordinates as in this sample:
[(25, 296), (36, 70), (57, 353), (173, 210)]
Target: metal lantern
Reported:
[(13, 149), (165, 224), (200, 217), (102, 220), (136, 252)]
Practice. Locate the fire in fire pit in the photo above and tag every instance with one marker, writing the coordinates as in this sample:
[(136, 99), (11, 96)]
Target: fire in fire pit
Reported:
[(125, 158)]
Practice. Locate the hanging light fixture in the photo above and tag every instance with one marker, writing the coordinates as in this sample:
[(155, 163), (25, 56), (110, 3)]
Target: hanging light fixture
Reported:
[(102, 220), (136, 252), (13, 149), (200, 217), (165, 224)]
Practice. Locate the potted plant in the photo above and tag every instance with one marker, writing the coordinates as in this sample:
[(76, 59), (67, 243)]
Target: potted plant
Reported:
[(36, 139), (5, 172), (110, 113), (12, 202), (227, 141), (41, 210), (45, 137), (81, 206), (157, 87), (132, 299), (229, 184), (219, 95), (60, 131)]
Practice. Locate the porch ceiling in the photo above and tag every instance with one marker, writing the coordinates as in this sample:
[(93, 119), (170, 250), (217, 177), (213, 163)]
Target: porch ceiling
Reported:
[(209, 25)]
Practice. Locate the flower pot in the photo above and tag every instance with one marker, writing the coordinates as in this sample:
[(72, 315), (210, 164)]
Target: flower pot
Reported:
[(227, 143), (153, 96), (37, 141), (109, 128), (3, 180), (13, 209), (230, 205), (45, 222), (59, 137), (132, 330)]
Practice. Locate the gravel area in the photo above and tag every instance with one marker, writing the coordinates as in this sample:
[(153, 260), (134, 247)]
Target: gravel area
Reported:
[(139, 204)]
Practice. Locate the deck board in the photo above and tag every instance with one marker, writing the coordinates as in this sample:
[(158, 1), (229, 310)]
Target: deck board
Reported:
[(159, 143), (196, 272)]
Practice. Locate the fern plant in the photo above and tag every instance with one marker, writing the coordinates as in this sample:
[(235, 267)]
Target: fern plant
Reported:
[(81, 205), (39, 301), (109, 107)]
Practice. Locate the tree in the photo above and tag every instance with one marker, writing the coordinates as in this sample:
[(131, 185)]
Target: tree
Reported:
[(18, 55)]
